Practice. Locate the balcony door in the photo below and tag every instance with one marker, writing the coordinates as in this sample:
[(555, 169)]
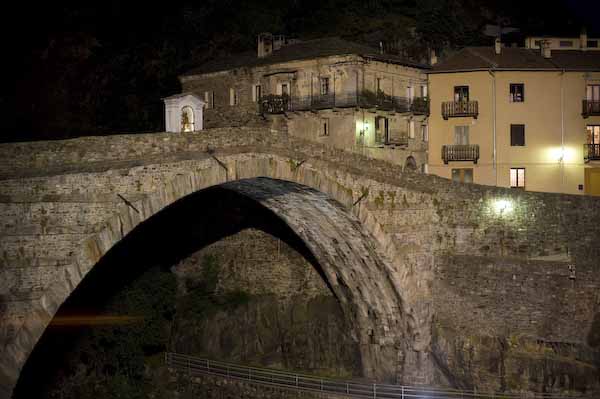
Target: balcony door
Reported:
[(593, 134), (461, 93), (593, 92), (461, 135), (382, 133)]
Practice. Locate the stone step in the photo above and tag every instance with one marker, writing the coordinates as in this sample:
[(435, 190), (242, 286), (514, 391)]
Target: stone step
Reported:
[(53, 217)]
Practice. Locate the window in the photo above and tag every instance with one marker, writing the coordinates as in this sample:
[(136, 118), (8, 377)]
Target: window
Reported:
[(424, 133), (517, 177), (285, 89), (593, 92), (209, 99), (566, 43), (423, 91), (324, 127), (381, 130), (256, 93), (461, 93), (537, 43), (187, 119), (517, 135), (378, 85), (324, 86), (517, 92), (461, 135), (592, 43), (233, 97), (464, 175), (411, 129), (593, 134), (410, 92)]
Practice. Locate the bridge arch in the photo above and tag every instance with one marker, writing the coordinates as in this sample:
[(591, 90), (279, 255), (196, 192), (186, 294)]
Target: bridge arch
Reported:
[(354, 266)]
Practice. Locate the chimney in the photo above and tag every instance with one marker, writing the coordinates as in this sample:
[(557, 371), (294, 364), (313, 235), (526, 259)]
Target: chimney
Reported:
[(545, 49), (498, 46), (432, 58), (583, 39), (265, 44)]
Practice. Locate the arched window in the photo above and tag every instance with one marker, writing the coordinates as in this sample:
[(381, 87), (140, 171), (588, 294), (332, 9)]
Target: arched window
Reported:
[(410, 165), (187, 119)]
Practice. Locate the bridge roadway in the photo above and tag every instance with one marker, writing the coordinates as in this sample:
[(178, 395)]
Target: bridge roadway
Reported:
[(448, 275), (328, 387)]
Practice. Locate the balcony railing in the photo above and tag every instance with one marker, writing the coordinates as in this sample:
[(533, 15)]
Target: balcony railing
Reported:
[(591, 152), (469, 152), (454, 109), (275, 104), (400, 140), (591, 108)]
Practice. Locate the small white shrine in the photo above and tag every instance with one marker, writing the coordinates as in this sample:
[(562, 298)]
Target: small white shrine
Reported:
[(183, 113)]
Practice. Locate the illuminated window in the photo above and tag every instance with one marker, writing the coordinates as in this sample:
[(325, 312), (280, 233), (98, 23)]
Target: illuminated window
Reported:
[(517, 93), (187, 119), (324, 86), (209, 99), (233, 97), (593, 134), (517, 135), (256, 93), (424, 133), (517, 177), (411, 129), (463, 175)]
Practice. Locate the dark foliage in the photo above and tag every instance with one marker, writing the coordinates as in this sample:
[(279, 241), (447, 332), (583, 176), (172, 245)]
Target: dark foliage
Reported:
[(102, 67)]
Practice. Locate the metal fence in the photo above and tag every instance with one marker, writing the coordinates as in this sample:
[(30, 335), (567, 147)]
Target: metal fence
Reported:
[(304, 383)]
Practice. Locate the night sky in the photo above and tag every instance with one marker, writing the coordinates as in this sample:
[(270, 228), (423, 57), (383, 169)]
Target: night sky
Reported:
[(102, 67)]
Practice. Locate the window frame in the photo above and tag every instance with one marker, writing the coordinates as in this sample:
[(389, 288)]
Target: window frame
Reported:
[(462, 172), (459, 93), (520, 184), (464, 133), (324, 85), (514, 94), (513, 131), (593, 134)]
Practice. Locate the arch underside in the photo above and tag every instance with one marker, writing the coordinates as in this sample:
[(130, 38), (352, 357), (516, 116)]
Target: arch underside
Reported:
[(351, 262)]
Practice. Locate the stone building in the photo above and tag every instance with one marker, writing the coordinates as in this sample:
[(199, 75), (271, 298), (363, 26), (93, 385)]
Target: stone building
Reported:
[(330, 90), (527, 118)]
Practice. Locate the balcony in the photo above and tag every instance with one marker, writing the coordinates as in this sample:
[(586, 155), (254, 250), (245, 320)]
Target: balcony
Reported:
[(591, 152), (455, 109), (590, 108), (277, 104), (455, 153), (420, 106)]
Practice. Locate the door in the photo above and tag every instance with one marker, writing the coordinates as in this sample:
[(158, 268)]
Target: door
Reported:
[(461, 93), (382, 133), (592, 181), (593, 98)]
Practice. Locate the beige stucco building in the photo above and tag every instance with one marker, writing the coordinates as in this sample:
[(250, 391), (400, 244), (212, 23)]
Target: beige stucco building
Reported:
[(518, 117), (330, 90)]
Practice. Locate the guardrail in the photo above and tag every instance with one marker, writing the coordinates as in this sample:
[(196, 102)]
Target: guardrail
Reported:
[(305, 383)]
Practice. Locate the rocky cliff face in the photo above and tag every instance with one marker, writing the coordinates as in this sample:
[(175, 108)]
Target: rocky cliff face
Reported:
[(253, 299)]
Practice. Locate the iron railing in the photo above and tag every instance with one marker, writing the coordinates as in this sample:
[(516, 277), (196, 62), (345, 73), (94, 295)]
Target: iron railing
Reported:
[(591, 152), (590, 108), (276, 104), (453, 109), (468, 152), (193, 366)]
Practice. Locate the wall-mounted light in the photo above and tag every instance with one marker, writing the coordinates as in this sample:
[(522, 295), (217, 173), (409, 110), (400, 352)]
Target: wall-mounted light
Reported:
[(502, 206)]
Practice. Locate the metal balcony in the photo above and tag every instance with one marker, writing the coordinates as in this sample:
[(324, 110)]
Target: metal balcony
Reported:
[(455, 153), (590, 108), (591, 152), (278, 104), (455, 109)]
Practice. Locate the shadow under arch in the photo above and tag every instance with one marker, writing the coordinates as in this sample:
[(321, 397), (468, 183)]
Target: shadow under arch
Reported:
[(319, 228)]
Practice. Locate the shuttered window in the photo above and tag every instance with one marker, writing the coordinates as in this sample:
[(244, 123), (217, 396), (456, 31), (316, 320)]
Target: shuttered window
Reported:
[(517, 135)]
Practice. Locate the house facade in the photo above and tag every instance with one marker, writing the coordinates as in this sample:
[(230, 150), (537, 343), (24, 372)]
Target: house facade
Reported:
[(332, 91), (527, 118)]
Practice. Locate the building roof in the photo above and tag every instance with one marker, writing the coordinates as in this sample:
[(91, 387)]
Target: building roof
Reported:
[(309, 49), (518, 58)]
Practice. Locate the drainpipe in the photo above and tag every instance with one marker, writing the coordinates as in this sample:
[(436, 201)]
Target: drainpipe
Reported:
[(562, 130), (494, 160)]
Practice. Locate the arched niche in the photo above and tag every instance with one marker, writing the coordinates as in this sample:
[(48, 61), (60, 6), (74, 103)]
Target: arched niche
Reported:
[(183, 113)]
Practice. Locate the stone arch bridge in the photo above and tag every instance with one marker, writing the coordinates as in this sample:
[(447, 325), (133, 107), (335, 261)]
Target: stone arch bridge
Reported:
[(445, 284)]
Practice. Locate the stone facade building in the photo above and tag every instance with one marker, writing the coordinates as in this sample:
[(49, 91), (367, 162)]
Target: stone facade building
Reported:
[(331, 91)]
